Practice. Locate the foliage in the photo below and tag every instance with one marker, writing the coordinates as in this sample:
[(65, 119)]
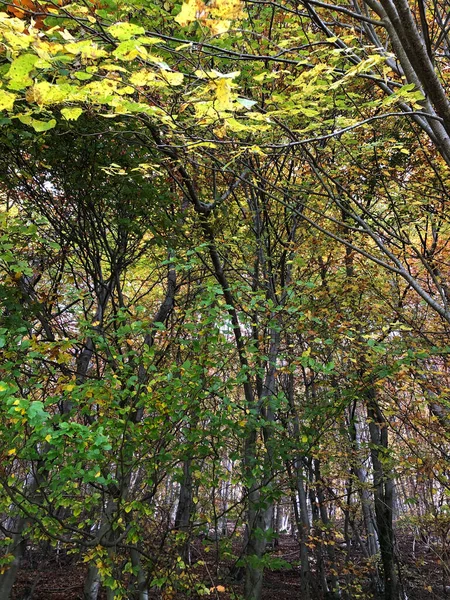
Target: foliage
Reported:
[(224, 252)]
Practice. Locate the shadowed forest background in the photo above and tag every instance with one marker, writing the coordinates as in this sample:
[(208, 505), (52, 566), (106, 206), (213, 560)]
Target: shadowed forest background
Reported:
[(224, 301)]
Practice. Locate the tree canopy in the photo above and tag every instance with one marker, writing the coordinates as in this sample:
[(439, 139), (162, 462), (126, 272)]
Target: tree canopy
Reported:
[(224, 302)]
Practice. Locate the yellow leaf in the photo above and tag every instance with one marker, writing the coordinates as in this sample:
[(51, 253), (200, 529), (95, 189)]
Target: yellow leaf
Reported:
[(86, 48), (15, 24), (47, 93), (19, 71), (126, 90), (18, 41), (190, 11), (260, 77), (129, 50), (113, 67), (218, 26), (125, 30), (149, 40), (229, 9), (224, 95), (11, 452), (71, 114), (173, 78), (142, 78), (236, 125), (37, 125), (48, 438)]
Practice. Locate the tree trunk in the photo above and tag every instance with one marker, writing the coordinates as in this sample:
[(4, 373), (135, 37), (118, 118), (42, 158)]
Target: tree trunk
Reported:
[(91, 584), (260, 511), (300, 508), (383, 494), (184, 508), (363, 491), (17, 549), (142, 590), (304, 528), (334, 581)]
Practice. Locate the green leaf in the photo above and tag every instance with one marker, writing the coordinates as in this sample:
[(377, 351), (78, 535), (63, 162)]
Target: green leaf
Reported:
[(19, 71), (125, 31), (82, 76), (71, 114), (40, 126), (36, 413)]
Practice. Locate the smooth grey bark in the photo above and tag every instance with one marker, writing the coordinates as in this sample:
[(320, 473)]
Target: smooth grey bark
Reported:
[(366, 508), (321, 567), (383, 494), (184, 508), (299, 499), (183, 514), (330, 548), (412, 41), (363, 491), (304, 529), (17, 548), (260, 511), (142, 586), (92, 582), (224, 492)]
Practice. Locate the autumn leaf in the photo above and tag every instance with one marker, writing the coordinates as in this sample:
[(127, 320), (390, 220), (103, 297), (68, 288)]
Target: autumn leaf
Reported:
[(19, 71), (6, 100), (71, 114), (125, 31), (190, 11)]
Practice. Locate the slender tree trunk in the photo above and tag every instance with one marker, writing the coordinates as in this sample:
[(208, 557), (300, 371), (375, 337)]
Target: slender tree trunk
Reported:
[(321, 567), (17, 526), (184, 508), (91, 584), (363, 491), (260, 510), (304, 532), (259, 520), (17, 549), (383, 494), (300, 507), (333, 570), (225, 487), (183, 514), (142, 590)]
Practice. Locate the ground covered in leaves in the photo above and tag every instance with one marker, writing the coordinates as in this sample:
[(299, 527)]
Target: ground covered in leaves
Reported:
[(46, 577)]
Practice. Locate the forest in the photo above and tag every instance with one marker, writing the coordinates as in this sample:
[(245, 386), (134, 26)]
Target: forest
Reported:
[(224, 299)]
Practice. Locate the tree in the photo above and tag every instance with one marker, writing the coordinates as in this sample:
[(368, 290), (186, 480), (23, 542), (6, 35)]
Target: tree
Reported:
[(229, 146)]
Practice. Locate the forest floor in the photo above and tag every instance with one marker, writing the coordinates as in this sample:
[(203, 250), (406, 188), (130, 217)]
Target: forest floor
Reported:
[(42, 578)]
